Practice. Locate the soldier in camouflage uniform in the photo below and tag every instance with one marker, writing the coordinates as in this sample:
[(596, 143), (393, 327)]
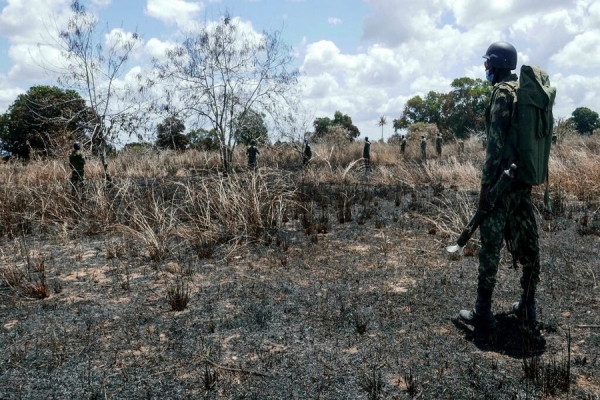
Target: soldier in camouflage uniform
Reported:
[(512, 217), (423, 147), (438, 144), (251, 152), (77, 164), (306, 154), (403, 144), (367, 153)]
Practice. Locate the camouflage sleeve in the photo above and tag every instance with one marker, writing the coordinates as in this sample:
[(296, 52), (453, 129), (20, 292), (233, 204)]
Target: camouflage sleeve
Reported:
[(500, 116)]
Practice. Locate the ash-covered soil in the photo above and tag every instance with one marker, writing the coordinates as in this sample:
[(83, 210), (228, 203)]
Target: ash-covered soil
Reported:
[(363, 309)]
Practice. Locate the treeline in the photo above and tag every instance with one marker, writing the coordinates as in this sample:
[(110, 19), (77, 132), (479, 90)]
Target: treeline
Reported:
[(229, 83)]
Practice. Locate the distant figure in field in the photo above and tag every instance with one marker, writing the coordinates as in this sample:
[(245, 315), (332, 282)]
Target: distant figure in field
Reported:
[(251, 152), (306, 154), (423, 147), (438, 144), (77, 165), (461, 146), (367, 153), (403, 144)]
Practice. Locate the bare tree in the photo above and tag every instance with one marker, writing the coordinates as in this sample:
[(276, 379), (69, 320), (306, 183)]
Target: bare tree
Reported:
[(224, 70), (94, 67), (294, 124)]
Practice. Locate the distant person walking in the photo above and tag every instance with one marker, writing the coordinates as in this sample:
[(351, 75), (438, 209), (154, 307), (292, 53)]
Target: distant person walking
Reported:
[(306, 154), (367, 153), (251, 152), (77, 165), (423, 148), (403, 144), (438, 144)]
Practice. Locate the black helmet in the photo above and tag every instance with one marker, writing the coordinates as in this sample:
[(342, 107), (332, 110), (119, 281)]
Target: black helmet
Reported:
[(77, 146), (501, 55)]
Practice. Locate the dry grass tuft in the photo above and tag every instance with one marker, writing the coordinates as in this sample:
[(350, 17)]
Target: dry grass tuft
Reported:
[(178, 295)]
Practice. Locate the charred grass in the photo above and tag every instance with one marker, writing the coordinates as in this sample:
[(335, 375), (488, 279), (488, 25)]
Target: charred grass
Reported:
[(329, 283)]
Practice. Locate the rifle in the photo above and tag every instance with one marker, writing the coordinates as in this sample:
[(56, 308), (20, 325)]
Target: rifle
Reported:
[(497, 190)]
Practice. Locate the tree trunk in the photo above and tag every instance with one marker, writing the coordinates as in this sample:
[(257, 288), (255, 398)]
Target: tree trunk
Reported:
[(104, 160)]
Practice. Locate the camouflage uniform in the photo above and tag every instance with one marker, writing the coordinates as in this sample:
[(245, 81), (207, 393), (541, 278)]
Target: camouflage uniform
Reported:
[(367, 152), (252, 151), (77, 164), (403, 145), (306, 154), (423, 148), (512, 216), (438, 145)]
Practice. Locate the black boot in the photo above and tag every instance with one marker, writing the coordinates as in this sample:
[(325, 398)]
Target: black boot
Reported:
[(524, 309), (481, 316)]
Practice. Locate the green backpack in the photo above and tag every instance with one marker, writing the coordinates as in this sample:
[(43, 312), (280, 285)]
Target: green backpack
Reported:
[(532, 124)]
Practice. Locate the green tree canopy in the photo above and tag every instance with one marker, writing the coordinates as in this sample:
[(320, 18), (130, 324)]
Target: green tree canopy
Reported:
[(137, 147), (323, 125), (170, 134), (463, 108), (585, 120), (201, 139), (249, 126), (44, 120), (459, 111)]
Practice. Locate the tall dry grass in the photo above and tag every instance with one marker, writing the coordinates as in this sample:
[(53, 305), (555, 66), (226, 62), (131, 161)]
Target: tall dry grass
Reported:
[(161, 196)]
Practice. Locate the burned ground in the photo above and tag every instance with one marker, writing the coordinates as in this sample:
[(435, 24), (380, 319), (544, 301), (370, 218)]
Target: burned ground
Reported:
[(353, 297)]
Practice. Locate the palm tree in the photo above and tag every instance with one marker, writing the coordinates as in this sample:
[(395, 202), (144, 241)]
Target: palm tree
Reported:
[(381, 123)]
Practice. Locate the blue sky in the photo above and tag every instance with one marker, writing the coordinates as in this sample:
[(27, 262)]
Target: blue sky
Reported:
[(365, 58)]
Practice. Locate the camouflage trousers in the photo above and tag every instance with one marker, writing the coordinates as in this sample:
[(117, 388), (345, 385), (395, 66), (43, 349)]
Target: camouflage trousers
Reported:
[(512, 218)]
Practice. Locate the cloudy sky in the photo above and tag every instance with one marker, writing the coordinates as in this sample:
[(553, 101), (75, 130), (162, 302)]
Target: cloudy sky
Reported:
[(365, 58)]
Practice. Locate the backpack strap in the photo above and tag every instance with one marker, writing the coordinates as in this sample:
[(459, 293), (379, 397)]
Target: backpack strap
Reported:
[(511, 145)]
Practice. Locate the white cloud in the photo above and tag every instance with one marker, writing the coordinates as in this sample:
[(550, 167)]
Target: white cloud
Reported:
[(102, 3), (119, 39), (575, 91), (175, 12), (581, 52), (8, 92), (28, 21), (410, 48), (31, 28), (157, 49), (334, 21)]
